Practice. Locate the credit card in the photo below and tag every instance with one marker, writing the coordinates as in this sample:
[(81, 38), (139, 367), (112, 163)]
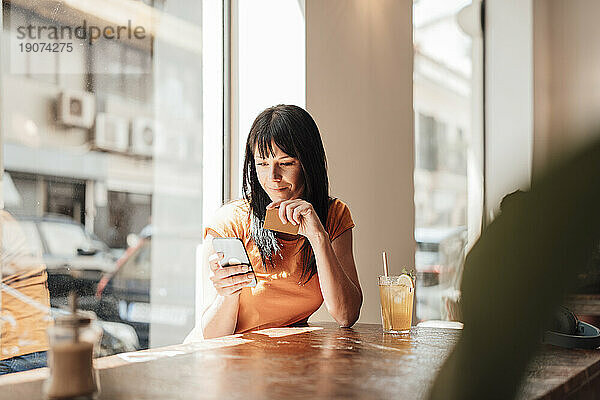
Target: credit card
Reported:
[(273, 223)]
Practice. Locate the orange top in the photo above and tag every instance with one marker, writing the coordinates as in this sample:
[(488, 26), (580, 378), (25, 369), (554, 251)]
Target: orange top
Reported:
[(24, 298), (279, 299)]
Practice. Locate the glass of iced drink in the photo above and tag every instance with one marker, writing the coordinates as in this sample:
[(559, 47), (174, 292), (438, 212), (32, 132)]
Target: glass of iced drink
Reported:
[(397, 296)]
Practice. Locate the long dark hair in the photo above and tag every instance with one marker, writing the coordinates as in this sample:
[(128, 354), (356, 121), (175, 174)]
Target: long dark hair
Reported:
[(294, 131)]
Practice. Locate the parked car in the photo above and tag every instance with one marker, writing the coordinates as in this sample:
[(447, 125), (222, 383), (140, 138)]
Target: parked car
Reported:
[(75, 260), (124, 295)]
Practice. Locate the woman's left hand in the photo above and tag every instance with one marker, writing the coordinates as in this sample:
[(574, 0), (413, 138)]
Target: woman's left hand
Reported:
[(300, 212)]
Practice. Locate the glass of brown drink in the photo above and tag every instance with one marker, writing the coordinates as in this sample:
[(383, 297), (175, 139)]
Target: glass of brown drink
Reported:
[(397, 297)]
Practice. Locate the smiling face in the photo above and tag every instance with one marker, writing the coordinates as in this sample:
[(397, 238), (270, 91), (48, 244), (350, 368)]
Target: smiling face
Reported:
[(279, 174)]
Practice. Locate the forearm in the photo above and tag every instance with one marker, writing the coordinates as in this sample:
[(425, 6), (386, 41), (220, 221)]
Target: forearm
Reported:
[(220, 318), (342, 297)]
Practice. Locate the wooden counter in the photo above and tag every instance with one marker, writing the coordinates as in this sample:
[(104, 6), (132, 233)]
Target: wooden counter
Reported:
[(322, 361), (584, 304)]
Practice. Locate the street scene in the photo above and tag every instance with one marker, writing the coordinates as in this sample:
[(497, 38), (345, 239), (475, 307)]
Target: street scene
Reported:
[(91, 131)]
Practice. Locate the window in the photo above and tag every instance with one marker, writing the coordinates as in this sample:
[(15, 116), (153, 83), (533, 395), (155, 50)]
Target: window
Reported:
[(64, 239), (33, 243), (265, 78), (115, 110), (428, 139), (444, 104)]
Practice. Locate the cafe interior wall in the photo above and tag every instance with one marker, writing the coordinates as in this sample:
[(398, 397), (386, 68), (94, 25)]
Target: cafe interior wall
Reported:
[(359, 71), (566, 78), (508, 101), (541, 61), (541, 87), (538, 100)]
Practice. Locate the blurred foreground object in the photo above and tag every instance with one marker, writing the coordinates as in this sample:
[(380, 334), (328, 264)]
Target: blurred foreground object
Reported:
[(72, 341), (517, 275)]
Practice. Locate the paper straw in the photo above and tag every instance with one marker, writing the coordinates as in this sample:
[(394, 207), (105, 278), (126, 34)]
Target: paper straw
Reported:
[(385, 268)]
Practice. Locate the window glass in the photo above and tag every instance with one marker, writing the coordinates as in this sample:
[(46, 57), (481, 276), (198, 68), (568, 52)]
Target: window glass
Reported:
[(103, 133), (33, 244), (63, 239), (135, 265), (266, 78), (443, 103)]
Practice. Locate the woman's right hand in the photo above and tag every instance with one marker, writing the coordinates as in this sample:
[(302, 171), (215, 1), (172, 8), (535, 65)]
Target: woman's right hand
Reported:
[(228, 280)]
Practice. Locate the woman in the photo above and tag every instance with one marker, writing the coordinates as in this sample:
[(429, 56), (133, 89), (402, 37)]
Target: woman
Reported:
[(285, 168)]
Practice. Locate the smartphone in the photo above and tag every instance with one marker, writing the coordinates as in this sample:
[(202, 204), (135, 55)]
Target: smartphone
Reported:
[(234, 252)]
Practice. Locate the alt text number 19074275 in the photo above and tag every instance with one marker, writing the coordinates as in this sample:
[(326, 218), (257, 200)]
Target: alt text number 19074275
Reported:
[(40, 47)]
